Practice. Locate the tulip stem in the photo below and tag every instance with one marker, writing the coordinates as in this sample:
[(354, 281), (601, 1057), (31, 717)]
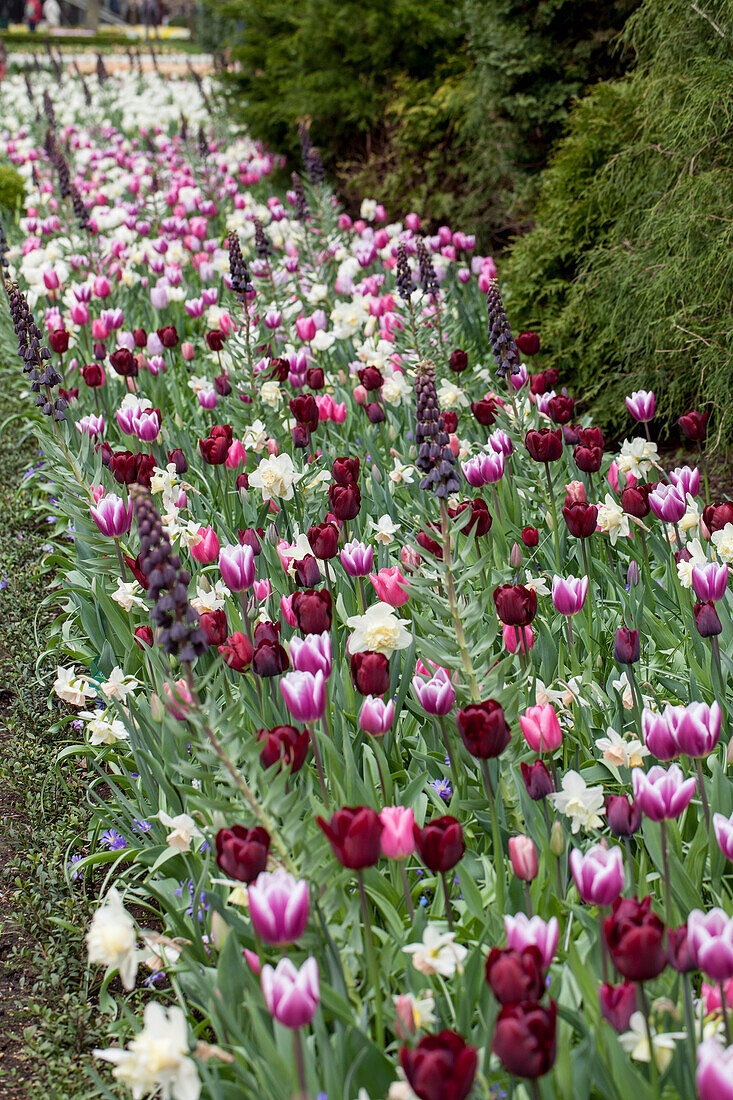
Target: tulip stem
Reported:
[(704, 462), (602, 945), (121, 560), (496, 839), (555, 532), (724, 1010), (665, 865), (450, 587), (715, 646), (528, 899), (703, 795), (300, 1064), (653, 1068), (319, 764), (448, 907), (690, 1021), (408, 895), (451, 758), (371, 958), (535, 1091)]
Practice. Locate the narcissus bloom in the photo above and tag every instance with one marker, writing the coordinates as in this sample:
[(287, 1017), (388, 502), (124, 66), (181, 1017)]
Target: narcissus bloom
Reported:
[(378, 631), (275, 477), (112, 938), (157, 1058)]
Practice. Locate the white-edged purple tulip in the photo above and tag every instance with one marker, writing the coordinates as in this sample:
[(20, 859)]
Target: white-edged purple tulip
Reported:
[(569, 594), (667, 503), (662, 793), (709, 581), (304, 695), (278, 906), (237, 566), (436, 695), (311, 653), (523, 931), (112, 516), (641, 405), (291, 995), (599, 874), (376, 716)]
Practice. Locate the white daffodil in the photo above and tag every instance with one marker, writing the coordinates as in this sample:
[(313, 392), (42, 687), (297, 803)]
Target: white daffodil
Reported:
[(157, 1058), (437, 953), (271, 393), (378, 631), (536, 584), (723, 542), (128, 595), (118, 685), (635, 1042), (612, 519), (112, 939), (275, 477), (395, 389), (255, 437), (384, 529), (183, 830), (451, 396), (103, 730), (581, 803), (401, 474), (620, 752), (697, 557), (210, 598), (72, 688), (637, 457)]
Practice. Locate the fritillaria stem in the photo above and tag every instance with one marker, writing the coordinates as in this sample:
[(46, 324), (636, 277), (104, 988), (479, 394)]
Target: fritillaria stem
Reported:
[(703, 795), (449, 753), (371, 958)]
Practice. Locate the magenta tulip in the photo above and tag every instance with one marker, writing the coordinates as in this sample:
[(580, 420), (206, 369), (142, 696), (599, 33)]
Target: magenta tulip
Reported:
[(714, 1071), (723, 827), (376, 716), (523, 931), (237, 567), (667, 503), (311, 653), (641, 405), (304, 695), (357, 559), (112, 516), (709, 581), (291, 995), (662, 793), (599, 874), (278, 906), (710, 939), (206, 548), (568, 594)]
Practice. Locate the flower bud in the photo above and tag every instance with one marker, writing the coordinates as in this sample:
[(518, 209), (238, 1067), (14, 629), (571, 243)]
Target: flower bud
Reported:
[(523, 856), (515, 557), (557, 840)]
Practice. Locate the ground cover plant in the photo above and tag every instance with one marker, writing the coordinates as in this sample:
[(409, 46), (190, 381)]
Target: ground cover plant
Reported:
[(403, 701)]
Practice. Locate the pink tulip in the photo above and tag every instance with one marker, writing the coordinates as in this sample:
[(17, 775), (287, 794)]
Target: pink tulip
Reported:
[(641, 405), (391, 586), (397, 839), (714, 1071), (710, 939), (357, 558), (599, 874), (436, 695), (709, 581), (667, 503), (50, 279), (286, 610), (304, 695), (237, 566), (662, 793), (79, 313), (568, 594), (91, 425), (158, 297), (723, 827), (187, 350), (291, 995), (102, 287), (112, 516), (306, 328), (179, 699), (541, 728), (261, 589), (278, 906), (523, 931), (376, 716), (312, 653), (99, 330), (208, 398), (236, 455), (206, 548), (523, 857)]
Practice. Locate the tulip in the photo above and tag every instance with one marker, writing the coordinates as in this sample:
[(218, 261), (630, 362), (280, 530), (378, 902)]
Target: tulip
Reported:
[(312, 653), (312, 611), (440, 1067), (237, 567), (618, 1003), (623, 817), (323, 539), (214, 626), (714, 1071), (635, 938), (695, 728), (541, 728), (641, 405), (707, 621), (501, 443), (598, 875), (391, 586), (242, 853), (662, 794), (370, 673), (284, 745), (709, 581), (686, 480), (522, 931), (440, 843), (237, 651), (710, 938), (530, 537), (376, 716), (397, 840), (658, 736), (305, 695), (517, 638), (278, 907), (523, 857), (525, 1038), (694, 425), (581, 519), (515, 604), (291, 995), (537, 780), (626, 646), (206, 548), (679, 951), (436, 695), (515, 975), (112, 516), (357, 559), (568, 595), (354, 834), (667, 503), (723, 827), (544, 445)]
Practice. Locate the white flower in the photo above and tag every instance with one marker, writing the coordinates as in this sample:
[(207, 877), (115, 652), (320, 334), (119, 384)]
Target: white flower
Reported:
[(637, 457), (423, 1008), (401, 474), (436, 953), (385, 528), (71, 688), (164, 480), (375, 354), (684, 568), (378, 631), (723, 543), (395, 388), (536, 584), (620, 752), (612, 519), (112, 940), (368, 209), (400, 1089), (349, 317), (635, 1042), (103, 730), (322, 341), (210, 599), (127, 595), (623, 687), (451, 396), (275, 477), (691, 519), (157, 1058), (578, 801), (183, 830), (270, 393), (255, 437), (118, 686)]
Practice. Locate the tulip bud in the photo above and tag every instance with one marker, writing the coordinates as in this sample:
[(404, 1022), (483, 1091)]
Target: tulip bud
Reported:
[(626, 649), (523, 856), (632, 574), (515, 557), (557, 840)]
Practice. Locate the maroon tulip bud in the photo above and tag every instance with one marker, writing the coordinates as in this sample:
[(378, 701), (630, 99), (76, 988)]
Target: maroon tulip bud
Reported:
[(581, 519), (626, 647), (375, 412), (123, 467), (679, 953), (623, 817), (237, 651), (241, 482), (440, 843), (284, 745), (315, 378), (544, 444), (635, 938), (59, 341), (140, 337), (528, 343), (524, 1038), (588, 459), (450, 421), (313, 611), (324, 539), (99, 351), (354, 835), (222, 385), (552, 377), (537, 780), (706, 620), (242, 853), (279, 369), (618, 1004), (483, 729), (515, 975), (168, 336), (530, 536), (370, 673), (144, 636), (344, 501), (345, 471), (515, 604), (214, 626), (480, 516), (571, 434), (106, 452), (537, 383), (426, 542), (717, 516), (635, 501), (371, 378), (307, 572), (178, 458), (124, 363), (305, 410), (215, 339), (485, 411), (267, 631), (560, 408), (250, 537), (694, 425), (301, 436), (458, 361), (93, 375), (440, 1067), (270, 659)]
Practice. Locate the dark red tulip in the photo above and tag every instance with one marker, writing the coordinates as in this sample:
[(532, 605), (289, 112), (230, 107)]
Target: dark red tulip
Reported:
[(485, 411), (315, 378), (214, 626), (450, 421), (284, 745), (312, 611), (537, 780), (571, 434), (345, 471), (706, 620), (480, 521), (528, 343), (717, 516), (544, 444), (59, 341), (635, 938), (679, 953), (93, 375), (635, 500), (537, 383), (440, 843), (279, 369), (344, 501), (237, 651), (144, 636), (124, 363), (588, 459), (270, 659), (581, 519), (178, 458), (324, 539), (370, 673), (515, 604), (354, 833), (530, 536), (458, 361), (694, 425), (483, 729), (626, 646), (426, 542), (242, 853), (515, 975), (552, 377), (305, 410), (215, 447), (140, 337), (560, 408), (168, 336), (440, 1067), (267, 631), (222, 385), (215, 339), (524, 1038), (251, 537), (301, 436), (371, 378), (375, 412), (307, 572), (623, 817), (241, 482), (618, 1004)]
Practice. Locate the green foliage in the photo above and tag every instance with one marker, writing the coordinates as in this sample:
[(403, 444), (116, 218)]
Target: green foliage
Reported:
[(11, 188), (628, 273)]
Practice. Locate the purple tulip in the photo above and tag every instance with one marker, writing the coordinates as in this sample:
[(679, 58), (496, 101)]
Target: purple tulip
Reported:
[(291, 995), (686, 479), (91, 424), (237, 567), (484, 469), (146, 424), (436, 695), (568, 594), (112, 516), (710, 938), (159, 297), (357, 559), (662, 793), (304, 694), (278, 906), (714, 1071), (695, 728), (599, 874), (709, 581), (501, 443), (658, 736), (724, 834), (312, 653), (376, 716), (641, 405), (522, 931), (667, 503)]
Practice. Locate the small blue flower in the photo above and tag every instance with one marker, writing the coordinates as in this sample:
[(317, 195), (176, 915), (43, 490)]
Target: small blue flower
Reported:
[(443, 787), (112, 840)]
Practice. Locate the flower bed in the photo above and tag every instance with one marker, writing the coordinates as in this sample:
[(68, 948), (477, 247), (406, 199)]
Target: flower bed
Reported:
[(405, 702)]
